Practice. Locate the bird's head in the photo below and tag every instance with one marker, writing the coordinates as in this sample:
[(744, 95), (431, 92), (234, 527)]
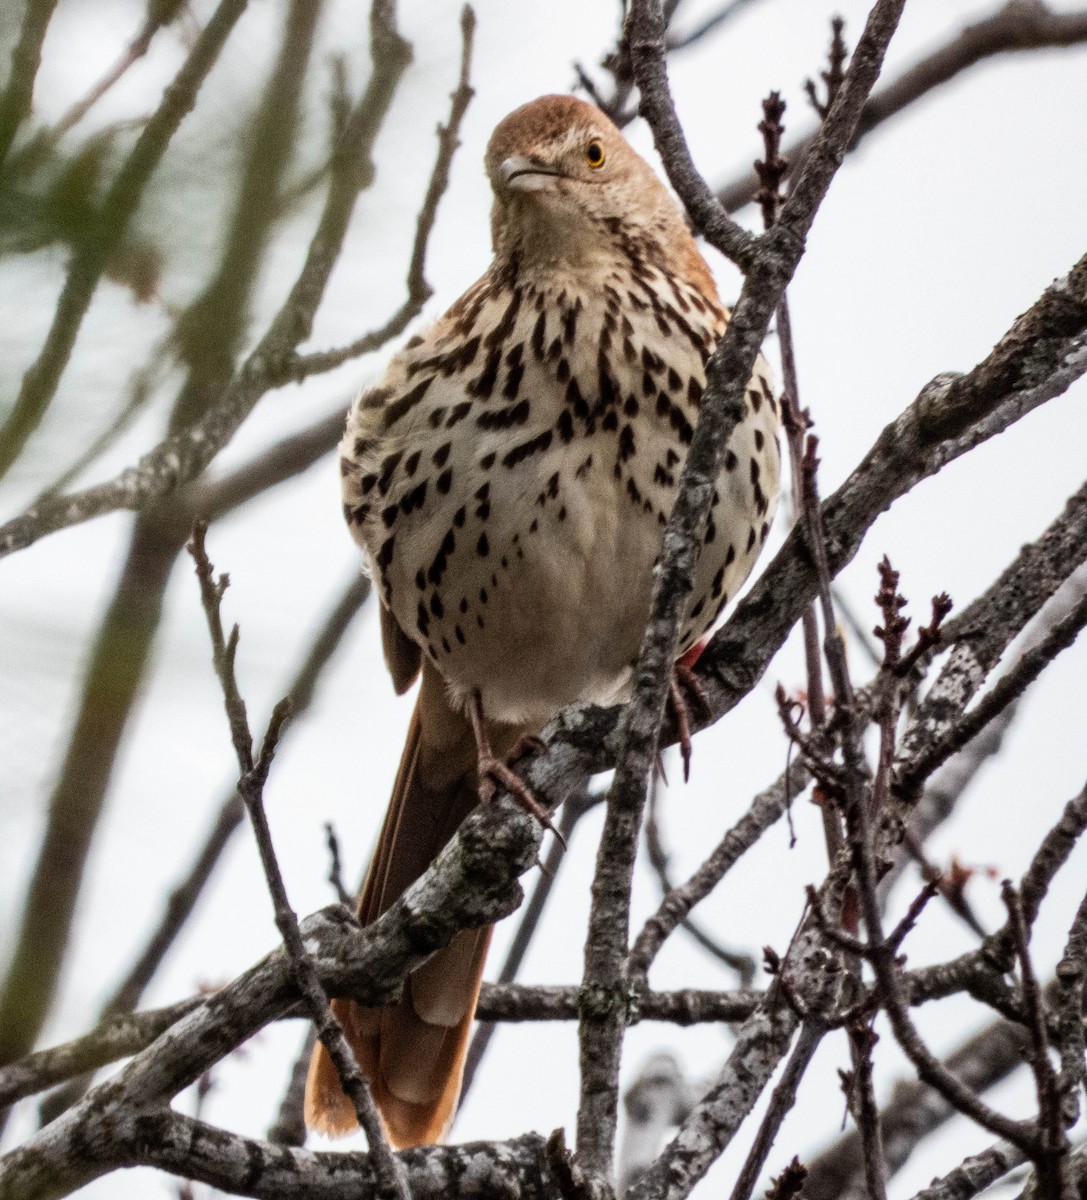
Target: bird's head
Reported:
[(568, 187)]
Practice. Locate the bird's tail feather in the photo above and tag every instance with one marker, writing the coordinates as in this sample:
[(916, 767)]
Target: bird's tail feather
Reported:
[(413, 1052)]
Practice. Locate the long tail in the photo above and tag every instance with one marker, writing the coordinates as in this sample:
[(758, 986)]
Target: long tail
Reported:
[(413, 1052)]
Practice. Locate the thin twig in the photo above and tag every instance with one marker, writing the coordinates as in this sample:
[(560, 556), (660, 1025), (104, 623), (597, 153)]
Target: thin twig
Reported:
[(1010, 28), (183, 455), (118, 206), (767, 808), (184, 896), (742, 964), (289, 1127), (710, 24), (862, 1099), (782, 1100), (254, 774), (419, 291), (1052, 1158), (159, 14)]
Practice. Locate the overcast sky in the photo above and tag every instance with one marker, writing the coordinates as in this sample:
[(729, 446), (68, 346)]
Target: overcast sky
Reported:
[(936, 234)]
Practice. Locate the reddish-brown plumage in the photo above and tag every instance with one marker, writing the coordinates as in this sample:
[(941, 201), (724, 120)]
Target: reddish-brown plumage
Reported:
[(509, 480)]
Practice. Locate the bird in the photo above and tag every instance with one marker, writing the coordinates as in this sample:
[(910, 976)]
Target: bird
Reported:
[(509, 479)]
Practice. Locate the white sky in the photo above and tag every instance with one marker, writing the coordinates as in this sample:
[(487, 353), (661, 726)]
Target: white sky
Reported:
[(936, 234)]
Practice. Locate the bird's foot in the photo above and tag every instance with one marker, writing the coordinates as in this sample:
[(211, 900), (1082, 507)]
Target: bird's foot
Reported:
[(527, 746), (685, 693), (495, 772)]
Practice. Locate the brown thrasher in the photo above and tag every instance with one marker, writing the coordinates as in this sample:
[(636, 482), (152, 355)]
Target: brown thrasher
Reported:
[(510, 479)]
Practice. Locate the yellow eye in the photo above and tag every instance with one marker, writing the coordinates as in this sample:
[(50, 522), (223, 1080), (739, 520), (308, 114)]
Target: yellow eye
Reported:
[(594, 153)]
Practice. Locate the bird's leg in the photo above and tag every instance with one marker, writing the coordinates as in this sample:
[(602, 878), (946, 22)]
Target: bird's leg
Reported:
[(494, 772), (682, 687)]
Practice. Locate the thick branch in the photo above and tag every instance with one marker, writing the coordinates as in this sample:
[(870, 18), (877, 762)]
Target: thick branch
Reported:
[(115, 1038), (974, 1174), (513, 1002), (940, 727), (25, 59), (246, 1167), (646, 32)]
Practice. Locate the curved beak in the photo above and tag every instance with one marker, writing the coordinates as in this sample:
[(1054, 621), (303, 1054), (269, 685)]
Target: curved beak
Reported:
[(521, 174)]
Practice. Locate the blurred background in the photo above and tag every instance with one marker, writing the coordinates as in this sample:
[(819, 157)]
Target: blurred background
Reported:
[(945, 223)]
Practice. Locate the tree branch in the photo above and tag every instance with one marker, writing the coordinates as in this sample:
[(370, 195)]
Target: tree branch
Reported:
[(1016, 26), (767, 808), (117, 1037), (93, 252), (185, 454), (25, 59), (254, 774), (722, 408)]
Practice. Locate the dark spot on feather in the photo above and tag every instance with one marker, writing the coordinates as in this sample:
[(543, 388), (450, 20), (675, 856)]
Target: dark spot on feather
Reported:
[(483, 384), (375, 398), (414, 499), (526, 449), (388, 466), (458, 413), (538, 332), (400, 408), (504, 418)]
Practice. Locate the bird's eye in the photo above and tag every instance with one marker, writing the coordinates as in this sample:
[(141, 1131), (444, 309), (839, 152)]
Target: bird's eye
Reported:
[(594, 153)]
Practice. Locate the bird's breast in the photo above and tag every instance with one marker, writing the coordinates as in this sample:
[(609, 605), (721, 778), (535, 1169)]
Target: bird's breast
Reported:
[(512, 475)]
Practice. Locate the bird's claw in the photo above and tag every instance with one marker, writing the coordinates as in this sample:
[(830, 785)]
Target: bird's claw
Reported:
[(494, 773), (683, 681)]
